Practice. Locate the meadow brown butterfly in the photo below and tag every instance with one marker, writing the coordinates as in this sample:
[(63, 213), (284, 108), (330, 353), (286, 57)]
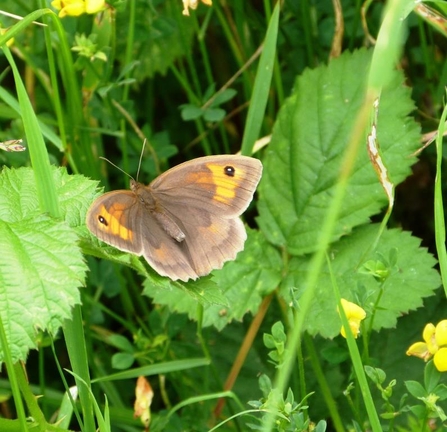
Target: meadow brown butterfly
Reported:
[(186, 222)]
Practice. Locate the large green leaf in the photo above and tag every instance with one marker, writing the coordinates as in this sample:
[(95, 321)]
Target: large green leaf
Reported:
[(42, 266), (411, 278), (242, 284), (301, 169), (304, 158)]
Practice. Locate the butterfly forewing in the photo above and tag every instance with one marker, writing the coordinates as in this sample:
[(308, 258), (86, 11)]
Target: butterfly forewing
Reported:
[(115, 218), (222, 185)]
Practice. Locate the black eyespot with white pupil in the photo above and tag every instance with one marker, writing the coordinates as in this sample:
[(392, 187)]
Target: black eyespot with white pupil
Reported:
[(102, 220), (229, 171)]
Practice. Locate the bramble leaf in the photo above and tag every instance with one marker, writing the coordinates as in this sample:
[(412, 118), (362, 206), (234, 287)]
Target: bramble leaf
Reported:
[(301, 170), (410, 280), (305, 155), (42, 266)]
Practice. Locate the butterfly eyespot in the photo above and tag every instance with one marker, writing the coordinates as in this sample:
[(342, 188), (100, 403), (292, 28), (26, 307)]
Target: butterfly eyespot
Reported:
[(229, 171), (102, 220)]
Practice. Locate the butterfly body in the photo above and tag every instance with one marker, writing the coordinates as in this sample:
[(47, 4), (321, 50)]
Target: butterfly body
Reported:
[(148, 199), (186, 222)]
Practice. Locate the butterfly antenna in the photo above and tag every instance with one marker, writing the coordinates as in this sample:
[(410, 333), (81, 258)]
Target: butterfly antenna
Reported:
[(117, 167), (141, 158)]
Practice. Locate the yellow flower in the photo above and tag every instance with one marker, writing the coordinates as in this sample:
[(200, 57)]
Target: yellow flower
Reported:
[(434, 345), (94, 6), (193, 5), (441, 333), (77, 7), (429, 337), (355, 314), (440, 359), (419, 349), (69, 7)]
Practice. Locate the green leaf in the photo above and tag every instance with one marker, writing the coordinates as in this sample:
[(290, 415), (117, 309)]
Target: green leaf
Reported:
[(304, 159), (241, 283), (36, 145), (412, 275), (42, 266), (265, 385), (261, 87), (120, 342), (419, 411), (18, 199), (278, 332), (415, 389), (274, 356), (441, 391), (183, 297), (122, 361), (334, 354), (321, 426), (223, 97), (376, 375), (431, 376), (209, 91), (255, 273), (95, 247), (214, 114), (269, 342), (190, 112), (156, 369)]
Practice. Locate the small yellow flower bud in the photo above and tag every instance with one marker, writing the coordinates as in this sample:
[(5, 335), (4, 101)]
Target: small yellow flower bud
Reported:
[(355, 314)]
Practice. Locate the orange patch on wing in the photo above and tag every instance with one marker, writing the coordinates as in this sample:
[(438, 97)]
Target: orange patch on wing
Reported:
[(213, 228), (224, 184), (117, 207), (225, 195), (161, 253), (113, 218)]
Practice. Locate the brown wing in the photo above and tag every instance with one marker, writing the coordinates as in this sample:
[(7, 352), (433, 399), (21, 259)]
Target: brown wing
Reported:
[(114, 219), (118, 219), (204, 197), (209, 242), (165, 255), (224, 184)]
